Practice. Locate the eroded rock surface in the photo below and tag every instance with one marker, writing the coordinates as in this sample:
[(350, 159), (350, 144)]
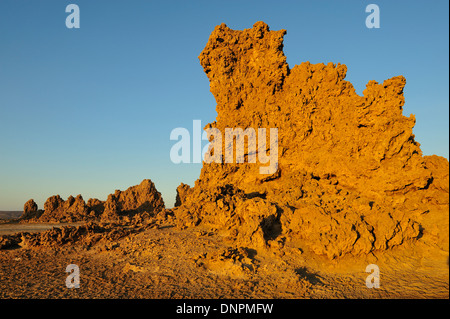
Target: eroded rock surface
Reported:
[(30, 210), (351, 178), (182, 190), (58, 210), (134, 204), (139, 199)]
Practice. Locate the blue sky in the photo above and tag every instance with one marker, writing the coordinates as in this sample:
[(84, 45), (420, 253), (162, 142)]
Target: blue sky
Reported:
[(90, 110)]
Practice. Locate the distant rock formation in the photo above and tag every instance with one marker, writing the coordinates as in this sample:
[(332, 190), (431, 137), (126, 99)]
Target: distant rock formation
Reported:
[(30, 210), (57, 210), (142, 198), (351, 178)]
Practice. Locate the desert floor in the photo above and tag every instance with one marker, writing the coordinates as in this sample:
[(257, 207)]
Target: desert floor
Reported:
[(164, 262)]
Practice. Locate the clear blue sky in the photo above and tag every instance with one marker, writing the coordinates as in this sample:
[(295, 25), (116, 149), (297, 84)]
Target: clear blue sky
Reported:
[(90, 110)]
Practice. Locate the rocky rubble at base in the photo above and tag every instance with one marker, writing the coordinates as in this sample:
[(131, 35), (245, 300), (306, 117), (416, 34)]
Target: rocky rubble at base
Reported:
[(84, 236)]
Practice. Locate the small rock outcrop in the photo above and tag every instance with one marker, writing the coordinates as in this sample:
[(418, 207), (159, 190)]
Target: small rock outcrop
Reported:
[(58, 210), (96, 207), (138, 202), (139, 199), (30, 210)]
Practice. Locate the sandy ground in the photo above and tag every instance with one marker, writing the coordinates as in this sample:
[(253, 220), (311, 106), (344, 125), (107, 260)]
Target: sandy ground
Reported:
[(171, 263)]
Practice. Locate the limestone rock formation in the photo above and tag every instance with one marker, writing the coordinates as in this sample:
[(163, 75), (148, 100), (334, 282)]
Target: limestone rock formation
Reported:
[(96, 206), (182, 190), (30, 210), (142, 198), (351, 177), (58, 210)]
